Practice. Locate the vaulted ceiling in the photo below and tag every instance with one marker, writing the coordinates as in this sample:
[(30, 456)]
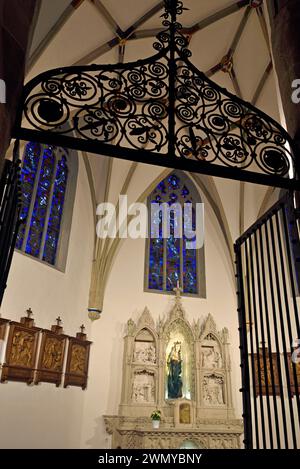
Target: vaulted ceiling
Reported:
[(228, 39)]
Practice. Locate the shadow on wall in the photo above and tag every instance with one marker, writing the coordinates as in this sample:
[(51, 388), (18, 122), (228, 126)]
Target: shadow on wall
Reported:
[(97, 438)]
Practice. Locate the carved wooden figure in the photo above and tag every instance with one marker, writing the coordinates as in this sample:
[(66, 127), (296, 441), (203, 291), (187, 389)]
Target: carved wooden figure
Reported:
[(78, 360), (52, 354), (21, 351)]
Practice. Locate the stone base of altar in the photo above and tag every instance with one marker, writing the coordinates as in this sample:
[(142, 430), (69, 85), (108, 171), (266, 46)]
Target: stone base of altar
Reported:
[(138, 433)]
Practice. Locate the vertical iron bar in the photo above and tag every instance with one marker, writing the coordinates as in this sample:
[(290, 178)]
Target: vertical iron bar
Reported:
[(269, 338), (262, 414), (262, 332), (295, 306), (251, 344), (272, 289), (244, 350), (282, 327), (289, 326), (289, 257), (9, 215)]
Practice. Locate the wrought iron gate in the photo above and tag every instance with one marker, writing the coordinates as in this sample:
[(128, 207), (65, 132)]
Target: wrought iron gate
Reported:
[(267, 260), (9, 216)]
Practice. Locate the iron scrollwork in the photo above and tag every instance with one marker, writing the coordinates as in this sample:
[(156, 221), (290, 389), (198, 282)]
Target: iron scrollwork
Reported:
[(160, 110)]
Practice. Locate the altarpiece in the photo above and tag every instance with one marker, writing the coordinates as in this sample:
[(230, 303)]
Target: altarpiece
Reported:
[(183, 370)]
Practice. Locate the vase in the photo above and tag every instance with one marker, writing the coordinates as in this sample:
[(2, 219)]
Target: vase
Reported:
[(155, 423)]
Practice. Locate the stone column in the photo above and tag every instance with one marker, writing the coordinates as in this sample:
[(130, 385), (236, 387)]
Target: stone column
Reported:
[(127, 369), (197, 396), (161, 372), (15, 27), (285, 37)]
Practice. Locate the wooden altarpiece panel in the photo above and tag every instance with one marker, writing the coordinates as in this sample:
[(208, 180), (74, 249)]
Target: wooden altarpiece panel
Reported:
[(292, 377), (21, 351), (76, 373), (261, 383), (51, 356), (3, 324)]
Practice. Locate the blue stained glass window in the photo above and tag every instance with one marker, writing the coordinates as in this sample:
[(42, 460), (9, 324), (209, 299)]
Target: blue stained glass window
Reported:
[(39, 213), (43, 182), (190, 263), (170, 260), (28, 176), (56, 211)]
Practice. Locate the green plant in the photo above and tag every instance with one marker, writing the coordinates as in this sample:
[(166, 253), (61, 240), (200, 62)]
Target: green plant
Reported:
[(156, 415)]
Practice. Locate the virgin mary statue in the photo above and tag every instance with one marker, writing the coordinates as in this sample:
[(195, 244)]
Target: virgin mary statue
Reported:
[(174, 364)]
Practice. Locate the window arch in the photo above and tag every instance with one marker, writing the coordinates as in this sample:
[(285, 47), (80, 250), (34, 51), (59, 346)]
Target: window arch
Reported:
[(48, 182), (168, 260)]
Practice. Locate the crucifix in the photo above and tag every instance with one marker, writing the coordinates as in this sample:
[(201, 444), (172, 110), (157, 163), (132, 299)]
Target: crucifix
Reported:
[(29, 312), (177, 290), (82, 328), (58, 320)]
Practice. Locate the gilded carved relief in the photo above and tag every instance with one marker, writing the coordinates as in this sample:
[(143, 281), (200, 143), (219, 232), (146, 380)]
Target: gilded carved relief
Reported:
[(28, 362), (53, 354), (78, 359), (22, 349), (185, 413)]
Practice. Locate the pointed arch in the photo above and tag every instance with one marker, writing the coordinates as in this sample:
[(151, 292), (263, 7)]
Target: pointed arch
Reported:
[(169, 260), (48, 184)]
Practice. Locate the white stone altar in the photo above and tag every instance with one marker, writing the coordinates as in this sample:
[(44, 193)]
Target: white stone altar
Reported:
[(202, 415)]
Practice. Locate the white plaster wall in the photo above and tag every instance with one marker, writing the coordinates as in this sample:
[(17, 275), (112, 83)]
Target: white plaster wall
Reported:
[(71, 417), (46, 416), (125, 298)]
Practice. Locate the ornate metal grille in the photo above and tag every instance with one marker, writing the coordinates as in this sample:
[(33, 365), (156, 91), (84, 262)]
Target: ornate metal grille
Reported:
[(160, 110)]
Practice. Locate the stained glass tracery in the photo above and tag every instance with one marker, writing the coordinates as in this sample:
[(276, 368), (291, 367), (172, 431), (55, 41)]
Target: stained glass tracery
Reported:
[(170, 261), (28, 176), (43, 184)]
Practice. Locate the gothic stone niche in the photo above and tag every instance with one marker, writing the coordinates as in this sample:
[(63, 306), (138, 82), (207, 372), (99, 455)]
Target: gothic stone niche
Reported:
[(211, 355), (144, 348), (179, 358), (143, 387), (21, 351), (202, 412), (213, 390)]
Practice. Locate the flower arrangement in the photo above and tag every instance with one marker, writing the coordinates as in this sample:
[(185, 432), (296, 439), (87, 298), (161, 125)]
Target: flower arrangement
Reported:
[(156, 415)]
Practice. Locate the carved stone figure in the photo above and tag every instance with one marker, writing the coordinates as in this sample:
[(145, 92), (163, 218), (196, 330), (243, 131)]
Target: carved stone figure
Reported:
[(144, 353), (143, 389), (213, 390), (131, 327), (211, 358)]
